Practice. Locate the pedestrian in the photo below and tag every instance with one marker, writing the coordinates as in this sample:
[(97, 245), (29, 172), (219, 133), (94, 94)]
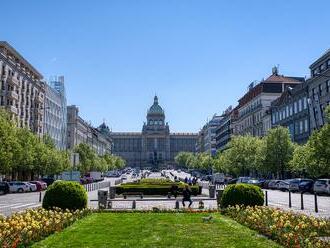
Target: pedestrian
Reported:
[(186, 180), (174, 190), (186, 196), (189, 181)]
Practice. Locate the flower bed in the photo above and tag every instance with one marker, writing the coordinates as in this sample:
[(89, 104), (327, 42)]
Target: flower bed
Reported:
[(287, 228), (22, 229)]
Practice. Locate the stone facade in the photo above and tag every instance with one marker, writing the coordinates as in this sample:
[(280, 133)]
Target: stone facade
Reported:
[(79, 131), (155, 146), (319, 90), (21, 89), (291, 110)]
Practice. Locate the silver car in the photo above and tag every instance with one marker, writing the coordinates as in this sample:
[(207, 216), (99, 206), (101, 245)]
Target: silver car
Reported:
[(18, 187), (322, 186)]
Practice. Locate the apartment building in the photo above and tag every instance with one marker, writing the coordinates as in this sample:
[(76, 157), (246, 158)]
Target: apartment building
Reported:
[(291, 110), (225, 130), (22, 92), (319, 90), (253, 109), (55, 121)]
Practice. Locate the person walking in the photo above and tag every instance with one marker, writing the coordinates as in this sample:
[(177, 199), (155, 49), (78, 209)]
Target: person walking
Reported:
[(186, 196)]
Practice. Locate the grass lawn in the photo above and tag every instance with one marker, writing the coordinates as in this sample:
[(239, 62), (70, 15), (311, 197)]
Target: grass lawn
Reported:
[(177, 230)]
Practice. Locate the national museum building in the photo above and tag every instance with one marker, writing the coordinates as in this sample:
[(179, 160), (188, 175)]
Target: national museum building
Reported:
[(155, 146)]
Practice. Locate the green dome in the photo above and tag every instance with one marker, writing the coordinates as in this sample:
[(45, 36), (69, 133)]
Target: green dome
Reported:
[(155, 108)]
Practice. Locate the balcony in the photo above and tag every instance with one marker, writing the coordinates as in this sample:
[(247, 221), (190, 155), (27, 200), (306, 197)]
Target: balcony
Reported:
[(40, 99), (13, 81), (13, 95), (12, 109)]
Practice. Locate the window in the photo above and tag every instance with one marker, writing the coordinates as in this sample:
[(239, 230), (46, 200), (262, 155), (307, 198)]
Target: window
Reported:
[(295, 107), (301, 127), (306, 125), (299, 105), (305, 102), (314, 93), (328, 62), (320, 89), (322, 67), (291, 110), (328, 86)]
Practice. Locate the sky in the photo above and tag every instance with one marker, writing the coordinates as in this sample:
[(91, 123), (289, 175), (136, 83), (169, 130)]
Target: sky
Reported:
[(198, 56)]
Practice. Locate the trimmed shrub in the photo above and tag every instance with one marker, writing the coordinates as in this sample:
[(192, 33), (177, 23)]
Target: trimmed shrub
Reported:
[(242, 194), (152, 189), (65, 195)]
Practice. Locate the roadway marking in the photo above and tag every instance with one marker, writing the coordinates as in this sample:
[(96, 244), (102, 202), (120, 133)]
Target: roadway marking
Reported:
[(10, 205), (24, 205)]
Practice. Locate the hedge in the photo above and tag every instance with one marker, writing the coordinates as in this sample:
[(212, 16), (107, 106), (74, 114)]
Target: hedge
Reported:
[(154, 189), (242, 194)]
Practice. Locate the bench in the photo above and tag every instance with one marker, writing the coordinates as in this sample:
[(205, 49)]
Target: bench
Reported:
[(133, 194)]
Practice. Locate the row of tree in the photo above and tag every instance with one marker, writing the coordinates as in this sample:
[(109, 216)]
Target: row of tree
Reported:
[(274, 155), (90, 161), (24, 155)]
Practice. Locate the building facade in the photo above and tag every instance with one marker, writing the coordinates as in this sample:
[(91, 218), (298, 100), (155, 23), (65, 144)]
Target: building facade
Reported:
[(207, 136), (155, 146), (55, 121), (291, 110), (79, 131), (319, 90), (21, 90), (225, 130), (253, 109)]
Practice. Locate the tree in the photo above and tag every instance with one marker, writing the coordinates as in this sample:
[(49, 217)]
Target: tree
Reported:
[(8, 142), (278, 151), (302, 161), (320, 152), (87, 157), (327, 114), (242, 155), (182, 157)]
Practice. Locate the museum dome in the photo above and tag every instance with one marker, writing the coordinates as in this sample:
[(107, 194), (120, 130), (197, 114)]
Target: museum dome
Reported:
[(155, 108)]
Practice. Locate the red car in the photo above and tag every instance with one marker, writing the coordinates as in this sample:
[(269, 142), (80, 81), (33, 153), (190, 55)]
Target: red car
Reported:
[(40, 185)]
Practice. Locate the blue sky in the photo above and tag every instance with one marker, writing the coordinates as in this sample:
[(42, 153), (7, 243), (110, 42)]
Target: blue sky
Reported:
[(198, 56)]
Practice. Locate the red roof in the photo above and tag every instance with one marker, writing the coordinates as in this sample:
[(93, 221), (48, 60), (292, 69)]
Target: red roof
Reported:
[(280, 78)]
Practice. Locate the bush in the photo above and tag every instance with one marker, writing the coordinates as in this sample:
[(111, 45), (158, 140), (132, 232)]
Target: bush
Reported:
[(242, 194), (154, 189), (65, 195)]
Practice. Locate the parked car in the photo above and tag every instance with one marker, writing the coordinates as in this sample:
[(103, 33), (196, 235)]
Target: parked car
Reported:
[(273, 184), (284, 185), (4, 188), (265, 184), (294, 185), (254, 182), (88, 179), (32, 186), (48, 180), (40, 185), (232, 181), (19, 187), (123, 177), (322, 186), (206, 178), (243, 179), (306, 186)]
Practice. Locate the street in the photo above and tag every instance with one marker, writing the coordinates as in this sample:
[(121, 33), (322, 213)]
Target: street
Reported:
[(12, 203)]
